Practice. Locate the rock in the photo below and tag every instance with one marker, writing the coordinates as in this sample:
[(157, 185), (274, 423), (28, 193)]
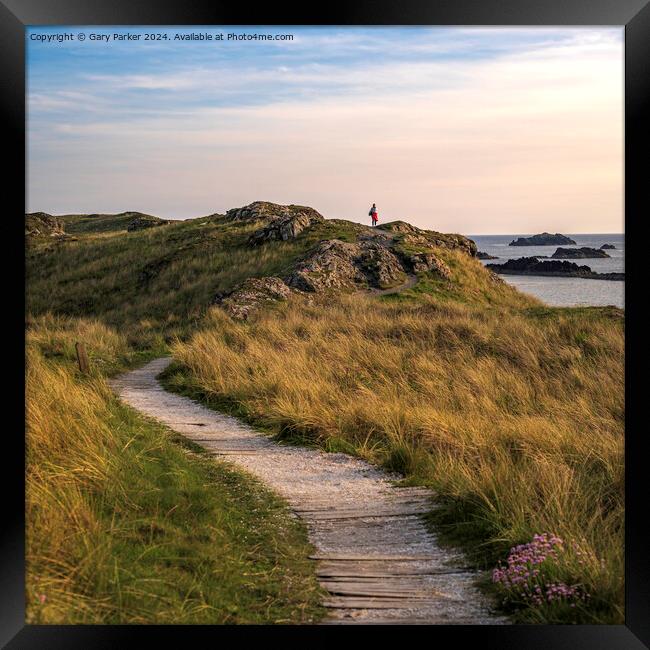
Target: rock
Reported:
[(378, 259), (283, 221), (399, 226), (379, 265), (41, 224), (485, 256), (335, 264), (608, 247), (332, 265), (251, 294), (143, 221), (408, 234), (284, 228), (578, 253), (427, 262), (532, 266), (545, 239)]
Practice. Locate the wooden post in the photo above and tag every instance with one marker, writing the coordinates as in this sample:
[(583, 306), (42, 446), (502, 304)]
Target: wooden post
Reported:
[(82, 358)]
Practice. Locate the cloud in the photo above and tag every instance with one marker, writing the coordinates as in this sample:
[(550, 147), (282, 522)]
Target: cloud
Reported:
[(475, 143)]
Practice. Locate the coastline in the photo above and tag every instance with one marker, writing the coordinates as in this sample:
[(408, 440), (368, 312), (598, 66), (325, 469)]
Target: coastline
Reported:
[(612, 277)]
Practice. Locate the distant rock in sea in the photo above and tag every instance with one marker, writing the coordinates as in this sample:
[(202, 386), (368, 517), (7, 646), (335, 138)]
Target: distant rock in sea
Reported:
[(608, 247), (532, 266), (544, 239), (485, 256), (578, 253)]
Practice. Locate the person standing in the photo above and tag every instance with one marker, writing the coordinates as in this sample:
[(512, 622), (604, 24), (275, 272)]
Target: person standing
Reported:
[(374, 214)]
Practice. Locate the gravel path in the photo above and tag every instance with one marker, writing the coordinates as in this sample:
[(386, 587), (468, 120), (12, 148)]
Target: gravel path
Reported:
[(409, 283), (375, 556)]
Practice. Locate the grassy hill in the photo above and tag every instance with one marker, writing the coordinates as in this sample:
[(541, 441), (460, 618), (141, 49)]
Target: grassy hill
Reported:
[(81, 224), (511, 410), (161, 281)]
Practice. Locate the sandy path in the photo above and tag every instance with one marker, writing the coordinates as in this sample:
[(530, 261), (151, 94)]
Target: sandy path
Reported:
[(375, 556), (409, 283)]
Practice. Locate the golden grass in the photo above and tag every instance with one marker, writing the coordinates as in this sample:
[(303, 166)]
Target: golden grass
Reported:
[(515, 415), (69, 450), (125, 525)]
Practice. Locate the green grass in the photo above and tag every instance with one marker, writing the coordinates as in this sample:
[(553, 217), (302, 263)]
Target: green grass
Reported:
[(157, 283), (129, 523), (513, 415), (83, 224), (511, 410)]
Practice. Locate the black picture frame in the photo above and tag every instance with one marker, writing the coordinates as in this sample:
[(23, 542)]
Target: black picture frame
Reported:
[(15, 15)]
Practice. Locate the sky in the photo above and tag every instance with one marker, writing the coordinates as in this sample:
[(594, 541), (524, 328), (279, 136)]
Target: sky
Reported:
[(470, 130)]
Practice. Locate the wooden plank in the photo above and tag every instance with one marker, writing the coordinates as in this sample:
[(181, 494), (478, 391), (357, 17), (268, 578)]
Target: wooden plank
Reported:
[(377, 592), (401, 620), (367, 514), (341, 557), (386, 573), (82, 358), (417, 582), (329, 507), (374, 603)]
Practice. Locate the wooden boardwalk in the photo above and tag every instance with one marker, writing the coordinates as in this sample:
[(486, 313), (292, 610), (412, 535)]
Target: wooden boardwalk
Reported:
[(374, 555)]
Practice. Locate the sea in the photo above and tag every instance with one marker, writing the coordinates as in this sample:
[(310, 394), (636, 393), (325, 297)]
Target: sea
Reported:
[(563, 292)]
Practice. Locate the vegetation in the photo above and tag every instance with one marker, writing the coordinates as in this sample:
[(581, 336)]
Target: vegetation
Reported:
[(515, 418), (126, 523), (158, 282), (81, 224), (511, 410)]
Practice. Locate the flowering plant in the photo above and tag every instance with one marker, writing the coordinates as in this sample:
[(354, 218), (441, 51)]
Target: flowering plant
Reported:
[(528, 575)]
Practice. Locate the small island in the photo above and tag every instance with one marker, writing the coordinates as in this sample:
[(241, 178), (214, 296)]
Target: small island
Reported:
[(544, 239), (608, 247), (532, 266), (486, 256), (578, 253)]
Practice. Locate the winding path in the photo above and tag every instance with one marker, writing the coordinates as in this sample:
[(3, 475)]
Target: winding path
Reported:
[(375, 557), (409, 283)]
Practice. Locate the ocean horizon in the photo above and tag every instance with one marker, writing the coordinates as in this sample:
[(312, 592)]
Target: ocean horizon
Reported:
[(563, 292)]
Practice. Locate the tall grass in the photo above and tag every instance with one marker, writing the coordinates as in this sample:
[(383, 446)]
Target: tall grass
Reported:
[(513, 414), (156, 284), (125, 524)]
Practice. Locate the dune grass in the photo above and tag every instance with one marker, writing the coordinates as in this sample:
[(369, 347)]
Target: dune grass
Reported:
[(513, 412), (126, 523), (157, 284)]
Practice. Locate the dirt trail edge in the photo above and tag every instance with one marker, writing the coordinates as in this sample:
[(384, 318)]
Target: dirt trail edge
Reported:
[(375, 557)]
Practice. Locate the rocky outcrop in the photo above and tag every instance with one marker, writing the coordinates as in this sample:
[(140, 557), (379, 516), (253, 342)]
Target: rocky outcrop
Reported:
[(410, 235), (426, 262), (578, 253), (252, 294), (144, 221), (336, 264), (485, 256), (284, 227), (544, 239), (378, 259), (608, 247), (399, 226), (532, 266), (41, 224), (379, 265), (283, 222)]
